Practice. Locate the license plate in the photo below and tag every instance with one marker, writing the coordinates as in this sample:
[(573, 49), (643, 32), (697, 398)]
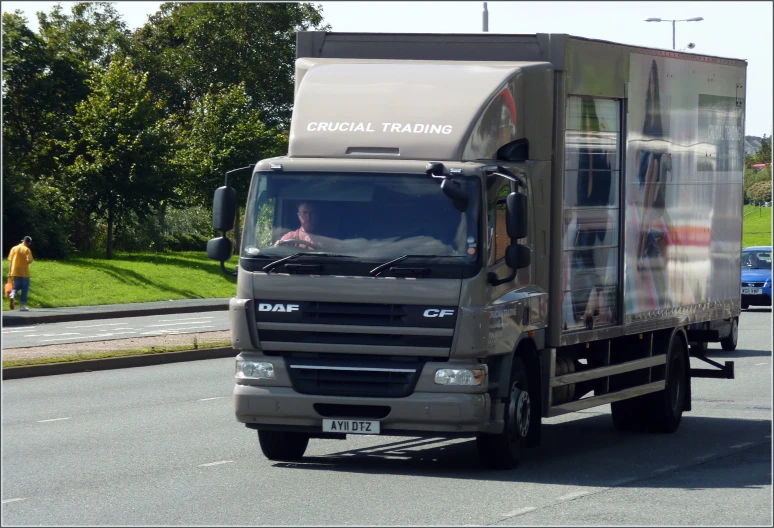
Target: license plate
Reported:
[(350, 426), (752, 291)]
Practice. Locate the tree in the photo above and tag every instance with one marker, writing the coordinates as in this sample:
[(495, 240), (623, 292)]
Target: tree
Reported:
[(760, 192), (123, 142), (191, 47), (764, 152)]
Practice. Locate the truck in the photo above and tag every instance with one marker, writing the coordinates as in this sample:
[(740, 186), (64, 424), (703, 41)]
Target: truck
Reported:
[(471, 233)]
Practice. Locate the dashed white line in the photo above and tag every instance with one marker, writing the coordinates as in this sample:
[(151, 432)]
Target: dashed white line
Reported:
[(53, 420), (520, 511), (575, 495), (759, 364), (705, 457), (178, 324), (215, 398), (172, 331), (6, 501), (745, 444), (62, 339), (664, 469), (187, 319), (19, 329), (96, 325), (216, 463)]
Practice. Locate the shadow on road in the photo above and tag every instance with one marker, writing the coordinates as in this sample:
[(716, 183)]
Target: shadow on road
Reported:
[(585, 452), (736, 354)]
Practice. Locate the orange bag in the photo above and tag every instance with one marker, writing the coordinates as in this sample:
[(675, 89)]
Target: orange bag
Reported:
[(8, 287)]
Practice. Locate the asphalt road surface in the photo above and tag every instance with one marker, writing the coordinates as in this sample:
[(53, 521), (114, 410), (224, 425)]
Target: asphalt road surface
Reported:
[(160, 446), (110, 329)]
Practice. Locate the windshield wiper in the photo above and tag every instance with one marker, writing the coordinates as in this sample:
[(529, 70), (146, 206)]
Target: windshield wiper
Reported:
[(271, 265), (378, 269)]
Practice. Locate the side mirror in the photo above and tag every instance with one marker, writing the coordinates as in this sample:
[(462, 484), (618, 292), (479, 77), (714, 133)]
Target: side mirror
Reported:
[(223, 209), (220, 249), (517, 256), (453, 190), (516, 215)]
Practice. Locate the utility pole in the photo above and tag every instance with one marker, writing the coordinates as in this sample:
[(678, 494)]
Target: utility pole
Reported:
[(486, 19)]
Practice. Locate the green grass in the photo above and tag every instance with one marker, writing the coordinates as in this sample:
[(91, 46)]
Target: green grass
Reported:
[(127, 278), (80, 356), (757, 226)]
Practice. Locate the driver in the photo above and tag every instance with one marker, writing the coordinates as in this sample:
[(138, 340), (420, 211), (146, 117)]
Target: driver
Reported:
[(755, 262), (307, 216)]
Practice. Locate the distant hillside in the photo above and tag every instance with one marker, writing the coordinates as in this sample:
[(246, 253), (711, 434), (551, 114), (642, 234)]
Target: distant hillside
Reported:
[(751, 145)]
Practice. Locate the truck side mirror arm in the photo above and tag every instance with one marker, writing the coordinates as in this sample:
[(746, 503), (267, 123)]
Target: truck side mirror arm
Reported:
[(223, 211)]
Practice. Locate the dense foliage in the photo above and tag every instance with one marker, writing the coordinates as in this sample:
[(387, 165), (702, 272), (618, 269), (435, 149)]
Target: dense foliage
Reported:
[(110, 135)]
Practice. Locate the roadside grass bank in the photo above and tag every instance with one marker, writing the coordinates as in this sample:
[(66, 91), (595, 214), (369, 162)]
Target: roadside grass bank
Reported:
[(127, 278), (86, 354), (757, 226)]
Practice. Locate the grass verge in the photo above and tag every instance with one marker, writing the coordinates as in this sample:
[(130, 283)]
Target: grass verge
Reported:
[(127, 278), (79, 356), (757, 226)]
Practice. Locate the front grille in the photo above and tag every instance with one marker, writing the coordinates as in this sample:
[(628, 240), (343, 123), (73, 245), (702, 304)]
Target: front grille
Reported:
[(344, 338), (361, 376)]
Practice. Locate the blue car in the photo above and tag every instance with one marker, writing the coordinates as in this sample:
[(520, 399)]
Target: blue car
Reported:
[(756, 276)]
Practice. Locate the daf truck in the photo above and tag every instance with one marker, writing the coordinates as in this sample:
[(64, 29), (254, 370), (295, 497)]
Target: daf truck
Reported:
[(473, 232)]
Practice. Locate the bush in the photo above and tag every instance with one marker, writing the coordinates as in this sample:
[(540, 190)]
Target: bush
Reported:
[(760, 192)]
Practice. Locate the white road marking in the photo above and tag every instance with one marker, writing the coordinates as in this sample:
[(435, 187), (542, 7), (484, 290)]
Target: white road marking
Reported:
[(96, 325), (53, 420), (520, 511), (664, 469), (6, 501), (216, 463), (18, 329), (759, 364), (62, 339), (745, 444), (705, 457), (575, 495), (215, 398), (51, 335), (188, 319), (173, 331), (622, 481), (178, 324)]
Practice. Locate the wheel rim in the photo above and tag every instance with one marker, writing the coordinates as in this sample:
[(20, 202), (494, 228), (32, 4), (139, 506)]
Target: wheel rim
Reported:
[(520, 412)]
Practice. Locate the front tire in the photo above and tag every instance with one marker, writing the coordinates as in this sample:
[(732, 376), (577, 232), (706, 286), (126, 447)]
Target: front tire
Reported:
[(729, 342), (504, 450), (283, 446)]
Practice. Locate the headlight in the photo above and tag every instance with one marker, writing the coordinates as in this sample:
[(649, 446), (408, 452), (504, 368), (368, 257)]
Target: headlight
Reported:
[(254, 370), (460, 376)]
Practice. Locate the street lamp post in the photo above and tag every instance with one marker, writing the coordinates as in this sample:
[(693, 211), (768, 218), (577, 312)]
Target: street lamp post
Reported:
[(695, 19)]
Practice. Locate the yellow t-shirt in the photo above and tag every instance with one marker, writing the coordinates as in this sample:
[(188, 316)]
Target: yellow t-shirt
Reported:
[(20, 258)]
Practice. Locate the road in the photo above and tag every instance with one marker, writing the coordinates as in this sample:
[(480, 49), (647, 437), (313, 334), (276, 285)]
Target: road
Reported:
[(159, 445), (115, 328)]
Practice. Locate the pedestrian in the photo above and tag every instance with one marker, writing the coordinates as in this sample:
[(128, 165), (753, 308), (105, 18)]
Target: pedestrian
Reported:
[(20, 259)]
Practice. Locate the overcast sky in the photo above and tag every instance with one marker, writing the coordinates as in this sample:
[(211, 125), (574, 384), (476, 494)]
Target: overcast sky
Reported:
[(740, 30)]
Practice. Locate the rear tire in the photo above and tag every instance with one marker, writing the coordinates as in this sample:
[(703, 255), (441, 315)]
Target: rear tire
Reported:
[(504, 450), (665, 408), (283, 446), (729, 342), (629, 415)]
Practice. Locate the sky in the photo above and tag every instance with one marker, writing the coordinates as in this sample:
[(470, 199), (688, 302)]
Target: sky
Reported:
[(741, 30)]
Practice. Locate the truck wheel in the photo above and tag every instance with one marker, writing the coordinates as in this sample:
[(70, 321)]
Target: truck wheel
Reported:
[(628, 415), (504, 450), (729, 342), (283, 446), (665, 408)]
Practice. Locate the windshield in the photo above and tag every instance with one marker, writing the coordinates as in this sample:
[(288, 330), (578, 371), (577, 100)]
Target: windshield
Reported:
[(370, 216), (760, 259)]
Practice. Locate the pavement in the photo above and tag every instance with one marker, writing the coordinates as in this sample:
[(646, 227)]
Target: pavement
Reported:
[(109, 311)]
